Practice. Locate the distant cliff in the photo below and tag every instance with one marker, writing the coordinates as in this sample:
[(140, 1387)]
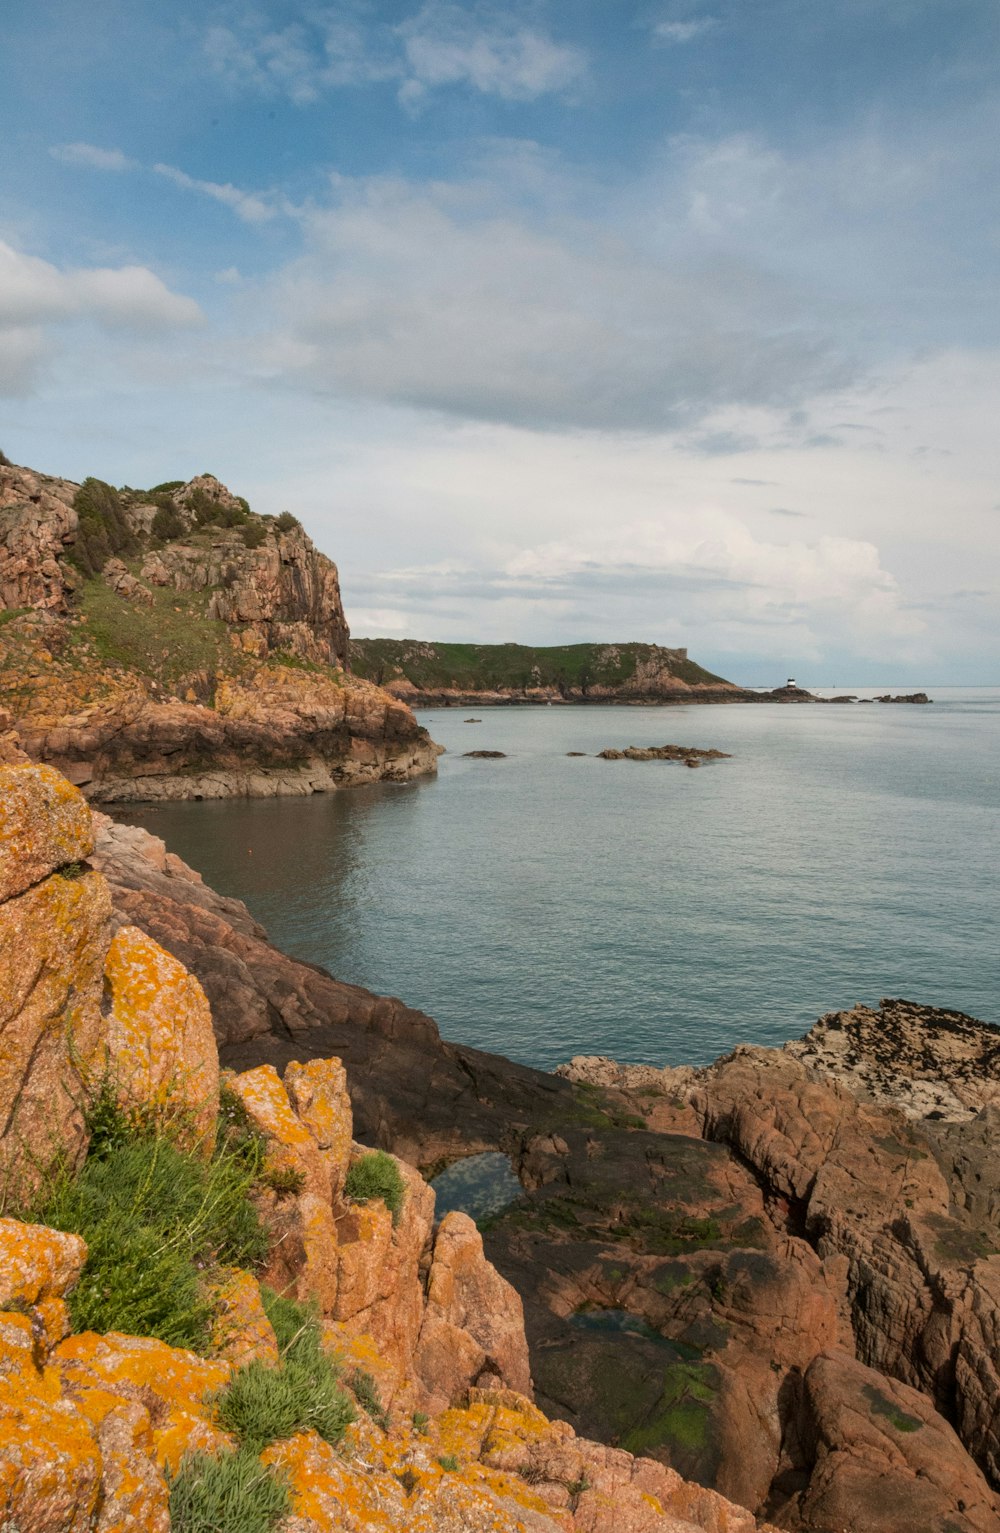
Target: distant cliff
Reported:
[(464, 675), (171, 643)]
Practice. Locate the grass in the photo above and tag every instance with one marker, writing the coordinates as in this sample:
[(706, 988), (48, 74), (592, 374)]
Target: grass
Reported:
[(365, 1391), (263, 1404), (233, 1493), (449, 1462), (169, 640), (376, 1175), (156, 1220)]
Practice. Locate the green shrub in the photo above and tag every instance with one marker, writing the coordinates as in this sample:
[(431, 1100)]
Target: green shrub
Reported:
[(286, 522), (167, 486), (5, 461), (297, 1327), (263, 1404), (233, 1493), (154, 1217), (211, 512), (102, 529), (449, 1461), (254, 534), (168, 522), (420, 1420), (377, 1176), (365, 1391)]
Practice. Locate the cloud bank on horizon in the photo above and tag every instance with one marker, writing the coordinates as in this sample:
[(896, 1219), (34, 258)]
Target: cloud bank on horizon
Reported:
[(668, 319)]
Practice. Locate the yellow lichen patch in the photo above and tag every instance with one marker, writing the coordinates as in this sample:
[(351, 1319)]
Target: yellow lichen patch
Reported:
[(290, 1146), (242, 1332), (36, 1262), (44, 824), (161, 1046), (53, 942), (50, 1463), (333, 1493), (317, 1091), (185, 1433), (166, 1380)]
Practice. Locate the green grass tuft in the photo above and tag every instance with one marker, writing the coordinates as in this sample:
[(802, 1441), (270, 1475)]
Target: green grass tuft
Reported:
[(263, 1404), (155, 1218), (450, 1462), (366, 1393), (377, 1176), (233, 1493)]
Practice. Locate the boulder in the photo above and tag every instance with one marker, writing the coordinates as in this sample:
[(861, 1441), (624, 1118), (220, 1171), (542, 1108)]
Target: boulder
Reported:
[(44, 825)]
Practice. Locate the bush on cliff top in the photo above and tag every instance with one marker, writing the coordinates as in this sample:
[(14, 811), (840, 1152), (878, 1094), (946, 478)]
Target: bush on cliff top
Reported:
[(377, 1176), (155, 1218), (102, 528)]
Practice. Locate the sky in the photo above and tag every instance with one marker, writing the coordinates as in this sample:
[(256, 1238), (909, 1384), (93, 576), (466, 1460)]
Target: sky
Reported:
[(667, 320)]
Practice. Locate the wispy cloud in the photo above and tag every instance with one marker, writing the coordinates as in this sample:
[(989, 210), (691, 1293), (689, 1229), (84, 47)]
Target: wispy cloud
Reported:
[(678, 33), (92, 156), (488, 48), (251, 207)]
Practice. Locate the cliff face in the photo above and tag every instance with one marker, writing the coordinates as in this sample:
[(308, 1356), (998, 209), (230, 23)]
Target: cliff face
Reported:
[(368, 1370), (464, 675), (750, 1274), (171, 644)]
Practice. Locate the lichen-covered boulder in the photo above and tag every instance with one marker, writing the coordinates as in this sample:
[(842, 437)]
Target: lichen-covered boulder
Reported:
[(44, 824), (37, 1263), (161, 1048), (241, 1332), (50, 1461), (53, 940), (291, 1148), (318, 1094)]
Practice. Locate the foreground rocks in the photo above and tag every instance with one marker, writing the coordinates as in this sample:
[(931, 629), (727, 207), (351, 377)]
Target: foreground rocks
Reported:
[(752, 1275), (430, 1336)]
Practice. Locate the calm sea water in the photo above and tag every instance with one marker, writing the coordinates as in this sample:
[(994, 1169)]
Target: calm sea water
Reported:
[(543, 906)]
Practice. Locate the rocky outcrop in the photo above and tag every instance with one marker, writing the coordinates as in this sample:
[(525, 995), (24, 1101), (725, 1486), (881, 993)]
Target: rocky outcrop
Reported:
[(691, 755), (206, 657), (94, 1427), (729, 1271), (280, 732), (37, 524)]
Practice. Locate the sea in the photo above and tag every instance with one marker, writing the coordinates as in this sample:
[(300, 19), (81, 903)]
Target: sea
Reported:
[(545, 905)]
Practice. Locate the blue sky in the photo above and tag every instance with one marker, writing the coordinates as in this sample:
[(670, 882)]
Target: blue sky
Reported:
[(672, 320)]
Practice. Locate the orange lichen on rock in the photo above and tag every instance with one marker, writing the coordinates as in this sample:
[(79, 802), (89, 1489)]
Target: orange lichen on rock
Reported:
[(53, 942), (290, 1145), (37, 1263), (318, 1094), (161, 1048), (44, 824), (241, 1332), (173, 1385)]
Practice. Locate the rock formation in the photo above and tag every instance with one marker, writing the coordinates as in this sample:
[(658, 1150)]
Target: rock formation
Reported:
[(760, 1276), (174, 645), (96, 1427)]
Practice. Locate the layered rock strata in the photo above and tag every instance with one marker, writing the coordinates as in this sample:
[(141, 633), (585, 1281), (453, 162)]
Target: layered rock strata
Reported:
[(771, 1287)]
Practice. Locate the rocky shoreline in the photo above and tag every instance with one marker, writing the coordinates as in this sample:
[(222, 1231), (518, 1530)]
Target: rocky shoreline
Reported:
[(778, 1276)]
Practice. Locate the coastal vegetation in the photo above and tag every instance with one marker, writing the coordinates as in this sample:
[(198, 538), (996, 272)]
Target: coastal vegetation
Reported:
[(377, 1176)]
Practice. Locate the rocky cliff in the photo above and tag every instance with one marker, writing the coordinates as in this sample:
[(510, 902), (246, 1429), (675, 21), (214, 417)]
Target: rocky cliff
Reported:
[(170, 644), (362, 1367), (776, 1277)]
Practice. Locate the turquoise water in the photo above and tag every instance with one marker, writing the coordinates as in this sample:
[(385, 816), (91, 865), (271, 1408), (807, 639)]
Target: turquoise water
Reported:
[(543, 906)]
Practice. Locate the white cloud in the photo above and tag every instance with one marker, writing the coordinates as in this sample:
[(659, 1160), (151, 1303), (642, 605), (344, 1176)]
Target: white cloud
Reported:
[(93, 157), (447, 44), (251, 207), (680, 32), (35, 294), (436, 297), (484, 47)]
